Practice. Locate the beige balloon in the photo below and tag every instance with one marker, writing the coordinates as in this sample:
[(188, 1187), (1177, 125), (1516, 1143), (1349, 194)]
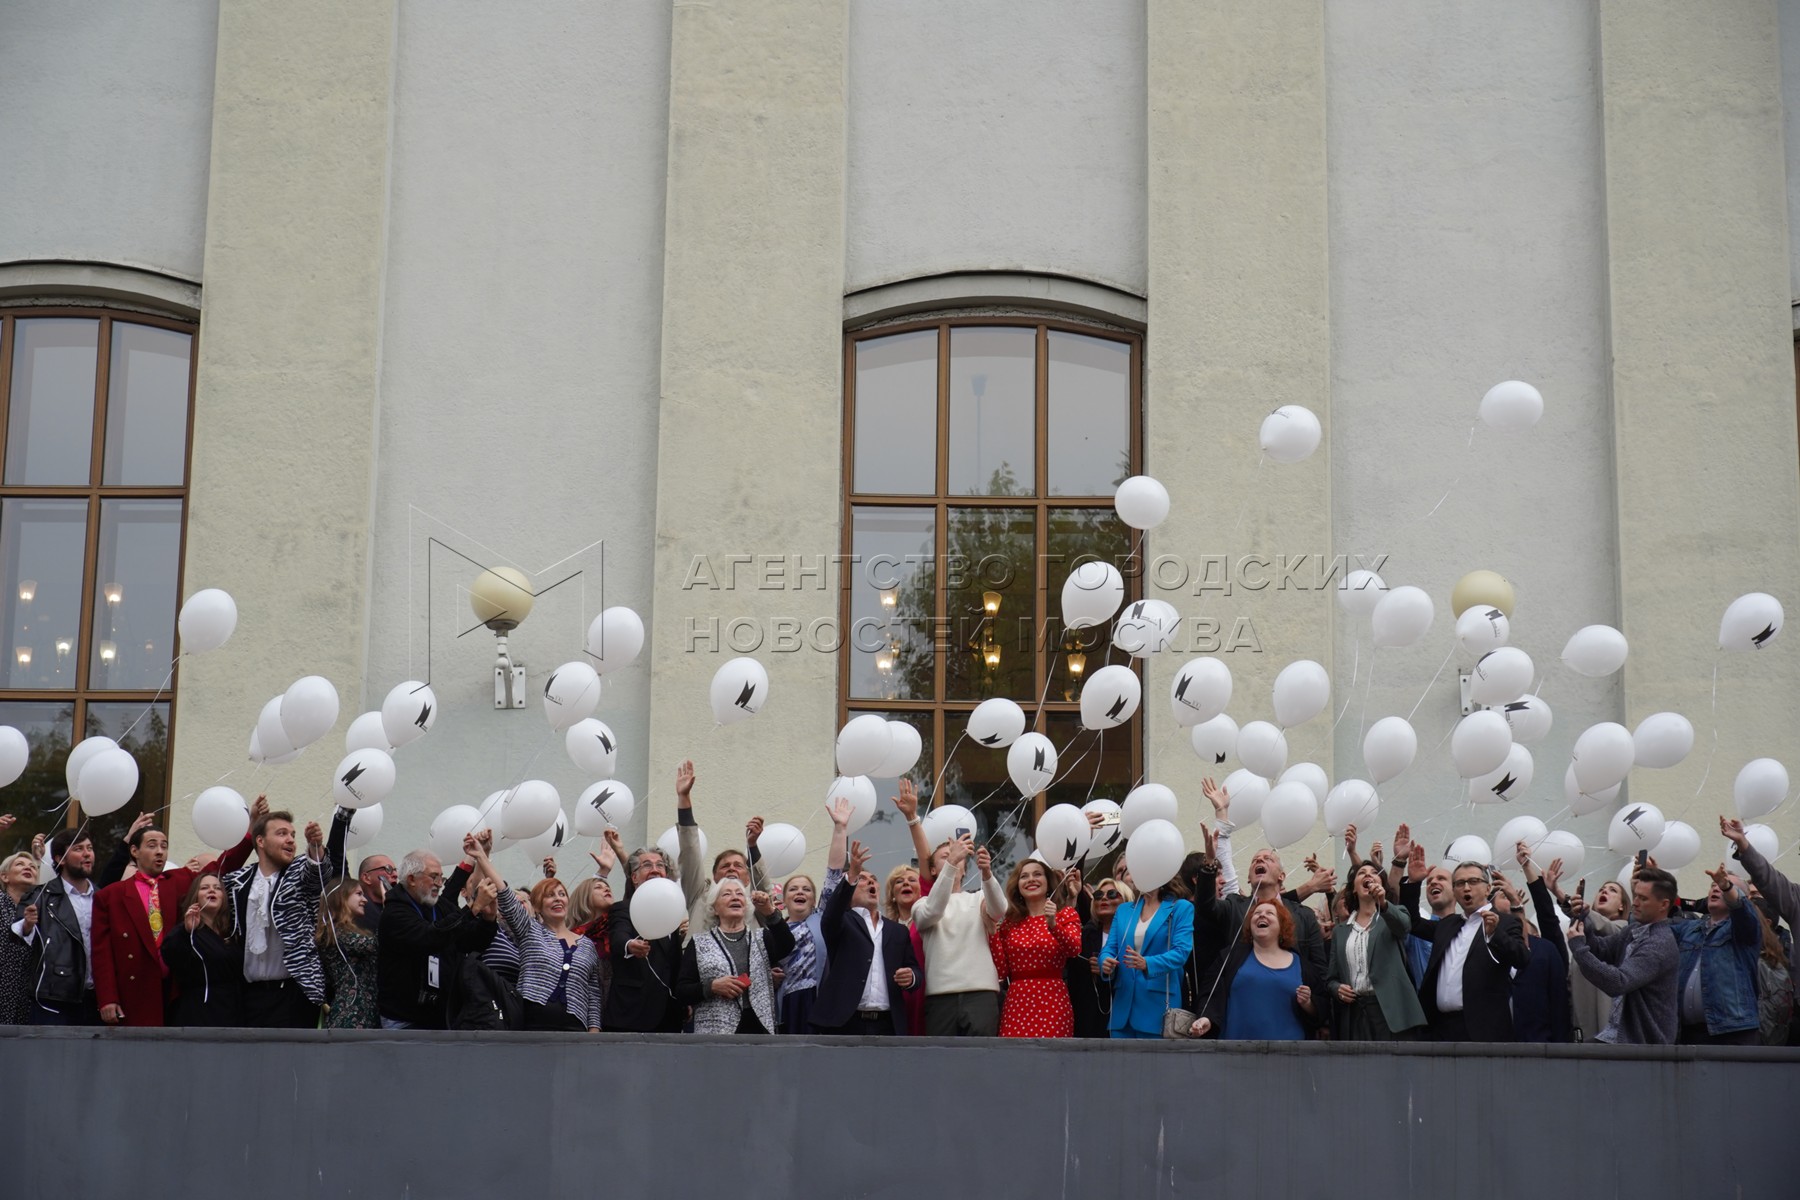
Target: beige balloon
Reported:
[(1482, 587)]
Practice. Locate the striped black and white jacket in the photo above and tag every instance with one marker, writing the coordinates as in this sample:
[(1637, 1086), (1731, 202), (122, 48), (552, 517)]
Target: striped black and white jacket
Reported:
[(541, 963), (295, 909)]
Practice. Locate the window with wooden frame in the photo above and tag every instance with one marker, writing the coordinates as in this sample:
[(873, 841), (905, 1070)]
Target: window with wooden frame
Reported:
[(96, 409), (980, 459)]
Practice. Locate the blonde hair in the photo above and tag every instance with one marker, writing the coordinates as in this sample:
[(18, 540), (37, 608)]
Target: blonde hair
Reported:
[(889, 908), (1126, 891)]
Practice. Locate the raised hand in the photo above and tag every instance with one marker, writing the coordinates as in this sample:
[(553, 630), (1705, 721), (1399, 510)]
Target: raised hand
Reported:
[(315, 840), (1415, 864), (259, 808), (1375, 857), (1218, 797), (486, 838), (549, 868), (984, 862), (908, 800), (752, 830), (1403, 844), (1725, 883), (472, 848), (1490, 921), (839, 810), (859, 858), (1210, 842), (1350, 842), (684, 781), (143, 819), (761, 902), (6, 821), (960, 849), (1733, 829), (191, 918), (1553, 876), (1070, 887)]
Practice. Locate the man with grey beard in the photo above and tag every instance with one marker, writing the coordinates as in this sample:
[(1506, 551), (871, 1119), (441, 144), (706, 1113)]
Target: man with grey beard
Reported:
[(424, 935)]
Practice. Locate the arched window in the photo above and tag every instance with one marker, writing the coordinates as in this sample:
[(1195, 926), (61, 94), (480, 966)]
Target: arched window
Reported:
[(95, 413), (980, 460)]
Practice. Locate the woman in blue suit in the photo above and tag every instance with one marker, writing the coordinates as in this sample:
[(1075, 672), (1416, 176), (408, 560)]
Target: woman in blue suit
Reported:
[(1145, 951)]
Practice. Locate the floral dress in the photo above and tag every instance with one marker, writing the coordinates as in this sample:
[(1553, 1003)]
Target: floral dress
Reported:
[(1029, 955), (350, 967), (15, 1007)]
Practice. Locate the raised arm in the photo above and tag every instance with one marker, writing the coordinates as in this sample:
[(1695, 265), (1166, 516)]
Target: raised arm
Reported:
[(689, 868), (908, 804), (993, 893), (337, 864), (1655, 957), (930, 910), (1780, 891)]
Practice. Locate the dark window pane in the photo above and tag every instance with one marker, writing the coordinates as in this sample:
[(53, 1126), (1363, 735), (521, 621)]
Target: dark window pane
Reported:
[(993, 412), (50, 408), (893, 598), (886, 835), (896, 415), (148, 742), (990, 600), (147, 406), (134, 594), (1074, 536), (975, 777), (1090, 430), (42, 545), (37, 797)]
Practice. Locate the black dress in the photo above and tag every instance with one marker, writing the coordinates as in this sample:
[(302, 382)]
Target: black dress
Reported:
[(15, 958), (208, 973), (1089, 995)]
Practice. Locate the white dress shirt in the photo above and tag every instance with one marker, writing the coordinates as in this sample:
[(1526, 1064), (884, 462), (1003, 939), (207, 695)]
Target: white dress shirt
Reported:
[(875, 993), (262, 941), (1356, 949), (1450, 973), (83, 904)]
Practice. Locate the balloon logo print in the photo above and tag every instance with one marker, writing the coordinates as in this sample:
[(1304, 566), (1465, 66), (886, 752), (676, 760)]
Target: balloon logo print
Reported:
[(744, 698), (424, 719), (599, 800), (992, 739)]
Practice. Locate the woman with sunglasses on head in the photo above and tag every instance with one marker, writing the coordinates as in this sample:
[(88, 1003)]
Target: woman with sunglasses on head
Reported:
[(1144, 956), (1030, 947), (1090, 995)]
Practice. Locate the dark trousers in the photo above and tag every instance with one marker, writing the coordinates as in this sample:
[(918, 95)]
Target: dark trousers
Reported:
[(85, 1013), (879, 1024), (278, 1004), (963, 1014), (1450, 1027), (1696, 1035)]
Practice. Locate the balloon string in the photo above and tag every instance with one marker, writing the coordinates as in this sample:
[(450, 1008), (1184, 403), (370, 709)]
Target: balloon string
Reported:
[(1429, 686), (1098, 760), (1368, 687), (1715, 726), (1463, 470), (932, 799), (153, 699)]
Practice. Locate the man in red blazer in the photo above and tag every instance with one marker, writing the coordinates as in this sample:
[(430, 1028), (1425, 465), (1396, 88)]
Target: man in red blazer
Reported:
[(130, 920)]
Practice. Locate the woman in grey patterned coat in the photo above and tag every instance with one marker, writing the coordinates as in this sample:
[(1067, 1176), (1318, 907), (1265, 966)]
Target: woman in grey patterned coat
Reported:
[(725, 971)]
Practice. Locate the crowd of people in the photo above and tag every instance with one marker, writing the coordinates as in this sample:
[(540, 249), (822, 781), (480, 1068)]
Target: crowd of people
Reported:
[(273, 934)]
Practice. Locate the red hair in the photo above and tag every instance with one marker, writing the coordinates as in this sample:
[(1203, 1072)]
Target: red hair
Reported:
[(543, 888), (1284, 923)]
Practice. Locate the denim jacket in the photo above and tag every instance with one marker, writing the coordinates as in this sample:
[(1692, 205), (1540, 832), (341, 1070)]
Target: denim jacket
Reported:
[(1728, 952)]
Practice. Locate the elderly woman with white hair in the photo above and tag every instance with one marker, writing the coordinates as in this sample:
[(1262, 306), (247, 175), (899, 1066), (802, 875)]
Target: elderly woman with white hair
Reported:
[(18, 875), (725, 971)]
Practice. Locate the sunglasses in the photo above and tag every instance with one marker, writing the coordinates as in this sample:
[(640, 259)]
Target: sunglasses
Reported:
[(1108, 894)]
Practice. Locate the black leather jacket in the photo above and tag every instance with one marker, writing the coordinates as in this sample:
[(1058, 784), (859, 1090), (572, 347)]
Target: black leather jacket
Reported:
[(56, 972)]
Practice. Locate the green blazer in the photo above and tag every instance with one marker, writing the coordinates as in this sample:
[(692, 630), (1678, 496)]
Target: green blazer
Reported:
[(1394, 991)]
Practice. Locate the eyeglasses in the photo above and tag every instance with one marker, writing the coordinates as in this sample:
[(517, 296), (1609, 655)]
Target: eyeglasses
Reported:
[(1108, 894)]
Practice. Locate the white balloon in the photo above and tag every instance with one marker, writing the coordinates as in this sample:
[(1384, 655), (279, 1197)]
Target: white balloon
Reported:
[(1360, 592), (670, 845), (740, 688), (862, 744), (1679, 846), (1092, 594), (1402, 616), (1560, 843), (657, 908), (108, 780), (1146, 627), (1582, 803), (1603, 756), (1110, 697), (408, 713), (363, 777), (529, 809), (1389, 748), (860, 792), (781, 848), (270, 735), (1764, 839), (365, 827), (1481, 629), (592, 747), (1288, 814), (1501, 676), (1662, 740), (1215, 740), (1141, 502), (1625, 874), (15, 754), (1154, 854), (1506, 782), (1760, 788), (942, 822), (1635, 827), (1312, 775), (1031, 763), (366, 733), (1595, 651), (996, 723), (1751, 622), (904, 748), (1529, 718), (1200, 691), (220, 817), (1248, 792), (546, 844), (487, 817), (1302, 691), (1062, 836), (206, 622), (1262, 748), (1351, 802), (1479, 743), (78, 758), (445, 836), (1109, 833), (615, 638), (1147, 802), (1468, 849), (1290, 434), (571, 694), (1524, 828), (309, 709), (1511, 405), (602, 806)]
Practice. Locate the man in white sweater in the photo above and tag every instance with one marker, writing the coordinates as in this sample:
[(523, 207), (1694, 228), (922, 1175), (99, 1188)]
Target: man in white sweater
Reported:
[(962, 989)]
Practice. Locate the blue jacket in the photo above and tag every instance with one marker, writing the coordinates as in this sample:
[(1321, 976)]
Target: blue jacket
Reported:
[(1140, 998), (1729, 951)]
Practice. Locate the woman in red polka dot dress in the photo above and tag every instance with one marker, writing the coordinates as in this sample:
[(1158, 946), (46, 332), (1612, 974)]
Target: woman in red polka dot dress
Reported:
[(1030, 948)]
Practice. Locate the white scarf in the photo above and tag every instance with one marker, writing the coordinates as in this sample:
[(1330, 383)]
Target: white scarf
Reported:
[(260, 919)]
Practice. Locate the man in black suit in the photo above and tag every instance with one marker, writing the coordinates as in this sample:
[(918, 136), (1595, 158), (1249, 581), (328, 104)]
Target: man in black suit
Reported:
[(869, 960), (1467, 989), (642, 998)]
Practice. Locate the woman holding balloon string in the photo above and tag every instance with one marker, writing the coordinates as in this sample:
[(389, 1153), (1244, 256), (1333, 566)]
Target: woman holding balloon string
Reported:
[(726, 971), (1145, 952), (559, 970), (1267, 991), (1030, 947), (590, 908)]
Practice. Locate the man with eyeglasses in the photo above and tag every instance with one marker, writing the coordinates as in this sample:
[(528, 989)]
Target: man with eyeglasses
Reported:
[(424, 937), (1467, 990)]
